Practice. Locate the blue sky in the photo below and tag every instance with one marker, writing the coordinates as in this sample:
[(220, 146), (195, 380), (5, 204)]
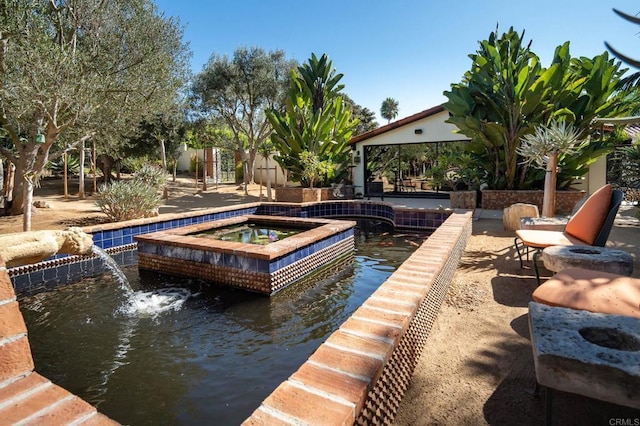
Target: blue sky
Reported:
[(410, 50)]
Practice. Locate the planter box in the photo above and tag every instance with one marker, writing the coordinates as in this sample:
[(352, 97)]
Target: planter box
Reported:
[(463, 199), (297, 194), (337, 192), (501, 199)]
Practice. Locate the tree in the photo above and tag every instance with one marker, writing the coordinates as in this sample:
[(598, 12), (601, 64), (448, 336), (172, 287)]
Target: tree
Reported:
[(389, 109), (366, 118), (240, 90), (79, 67), (311, 136), (543, 148), (163, 133), (507, 93)]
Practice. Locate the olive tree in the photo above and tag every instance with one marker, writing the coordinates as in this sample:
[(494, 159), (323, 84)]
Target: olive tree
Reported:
[(239, 90), (91, 67)]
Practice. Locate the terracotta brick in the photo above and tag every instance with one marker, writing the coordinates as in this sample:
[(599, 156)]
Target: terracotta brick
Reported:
[(262, 417), (358, 365), (68, 411), (11, 320), (419, 290), (407, 306), (368, 346), (309, 407), (382, 316), (33, 404), (15, 359), (6, 288), (99, 419), (331, 381), (26, 384), (362, 327)]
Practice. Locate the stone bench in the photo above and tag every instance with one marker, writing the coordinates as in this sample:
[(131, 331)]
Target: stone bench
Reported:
[(593, 291), (591, 354)]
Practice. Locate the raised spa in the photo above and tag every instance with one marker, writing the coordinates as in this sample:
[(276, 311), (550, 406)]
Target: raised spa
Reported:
[(263, 268)]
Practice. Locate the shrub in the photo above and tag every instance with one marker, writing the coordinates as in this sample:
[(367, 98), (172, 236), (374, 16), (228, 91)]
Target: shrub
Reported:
[(152, 175), (125, 200)]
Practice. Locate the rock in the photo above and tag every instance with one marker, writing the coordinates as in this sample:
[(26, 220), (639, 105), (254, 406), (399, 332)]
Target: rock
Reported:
[(41, 204), (591, 354), (511, 215)]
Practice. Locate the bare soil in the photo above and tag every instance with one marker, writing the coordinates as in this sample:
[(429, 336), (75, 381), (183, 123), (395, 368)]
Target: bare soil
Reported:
[(477, 367)]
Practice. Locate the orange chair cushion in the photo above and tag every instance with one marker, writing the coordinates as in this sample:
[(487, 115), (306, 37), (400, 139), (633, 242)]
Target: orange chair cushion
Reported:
[(587, 222), (592, 291)]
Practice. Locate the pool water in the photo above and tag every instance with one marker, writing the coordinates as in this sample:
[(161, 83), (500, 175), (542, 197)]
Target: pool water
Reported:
[(215, 357), (250, 233)]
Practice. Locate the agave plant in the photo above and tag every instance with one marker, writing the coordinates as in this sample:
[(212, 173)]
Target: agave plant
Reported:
[(543, 148)]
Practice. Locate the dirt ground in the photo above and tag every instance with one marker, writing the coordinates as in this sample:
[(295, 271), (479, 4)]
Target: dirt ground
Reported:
[(477, 367)]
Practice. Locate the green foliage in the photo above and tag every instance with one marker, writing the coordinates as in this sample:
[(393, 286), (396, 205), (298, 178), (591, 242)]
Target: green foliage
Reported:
[(73, 165), (507, 93), (389, 109), (550, 140), (125, 200), (365, 117), (151, 175), (133, 164), (239, 91), (81, 69), (317, 121)]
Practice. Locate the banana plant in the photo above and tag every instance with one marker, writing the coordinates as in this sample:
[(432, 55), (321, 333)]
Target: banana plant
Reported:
[(316, 124), (507, 93)]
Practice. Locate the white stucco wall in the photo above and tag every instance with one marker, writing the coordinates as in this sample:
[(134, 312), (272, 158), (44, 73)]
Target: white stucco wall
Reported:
[(434, 129)]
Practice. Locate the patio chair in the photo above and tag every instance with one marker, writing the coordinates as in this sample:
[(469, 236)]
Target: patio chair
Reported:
[(589, 226)]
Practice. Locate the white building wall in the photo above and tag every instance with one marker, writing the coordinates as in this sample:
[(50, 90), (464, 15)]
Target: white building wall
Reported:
[(433, 129)]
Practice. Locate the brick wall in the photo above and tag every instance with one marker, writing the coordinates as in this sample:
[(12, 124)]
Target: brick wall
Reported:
[(498, 200), (361, 372), (26, 396)]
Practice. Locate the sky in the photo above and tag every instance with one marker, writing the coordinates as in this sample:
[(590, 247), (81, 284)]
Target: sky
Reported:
[(409, 50)]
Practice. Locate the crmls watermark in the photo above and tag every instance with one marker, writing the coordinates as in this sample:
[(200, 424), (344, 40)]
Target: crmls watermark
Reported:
[(624, 422)]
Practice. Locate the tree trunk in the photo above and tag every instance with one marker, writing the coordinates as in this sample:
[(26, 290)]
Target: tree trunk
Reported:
[(549, 200), (81, 184), (163, 155), (174, 172), (28, 204), (2, 201), (18, 191), (269, 198)]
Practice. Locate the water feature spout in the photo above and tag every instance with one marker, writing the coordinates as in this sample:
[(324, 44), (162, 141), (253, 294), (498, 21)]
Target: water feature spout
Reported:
[(23, 248)]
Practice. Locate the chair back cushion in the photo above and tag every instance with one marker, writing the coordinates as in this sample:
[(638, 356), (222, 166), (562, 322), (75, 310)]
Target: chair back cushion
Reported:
[(586, 223)]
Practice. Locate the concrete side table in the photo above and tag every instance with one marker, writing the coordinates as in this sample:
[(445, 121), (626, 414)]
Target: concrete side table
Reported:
[(557, 258), (591, 354)]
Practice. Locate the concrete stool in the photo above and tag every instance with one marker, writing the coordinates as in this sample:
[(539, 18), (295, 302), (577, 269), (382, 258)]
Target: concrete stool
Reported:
[(590, 354), (557, 258)]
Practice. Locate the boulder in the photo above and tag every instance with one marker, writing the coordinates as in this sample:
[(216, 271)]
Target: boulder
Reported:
[(511, 215), (41, 204)]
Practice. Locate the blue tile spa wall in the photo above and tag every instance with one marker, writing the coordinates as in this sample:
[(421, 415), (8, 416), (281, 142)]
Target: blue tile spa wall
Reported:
[(63, 269)]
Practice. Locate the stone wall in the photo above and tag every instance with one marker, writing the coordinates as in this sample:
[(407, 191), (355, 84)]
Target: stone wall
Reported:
[(498, 200)]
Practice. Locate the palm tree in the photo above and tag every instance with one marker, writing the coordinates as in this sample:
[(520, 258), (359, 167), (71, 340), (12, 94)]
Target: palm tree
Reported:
[(389, 109)]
